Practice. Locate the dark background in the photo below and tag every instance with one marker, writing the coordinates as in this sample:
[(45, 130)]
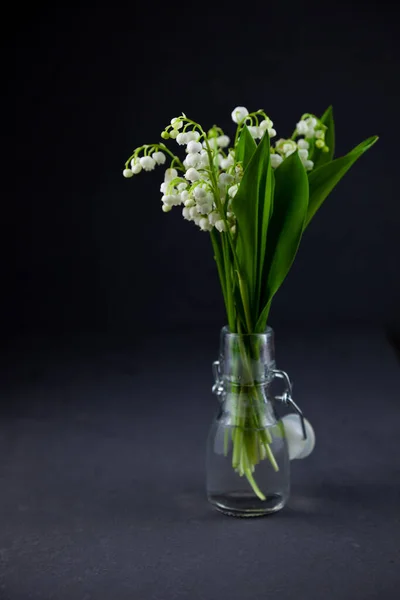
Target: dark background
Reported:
[(110, 309), (87, 250)]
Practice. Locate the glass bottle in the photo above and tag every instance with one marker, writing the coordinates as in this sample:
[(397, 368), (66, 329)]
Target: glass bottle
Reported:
[(247, 469)]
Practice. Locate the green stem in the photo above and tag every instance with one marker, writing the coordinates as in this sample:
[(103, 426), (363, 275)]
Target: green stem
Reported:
[(220, 267), (251, 480)]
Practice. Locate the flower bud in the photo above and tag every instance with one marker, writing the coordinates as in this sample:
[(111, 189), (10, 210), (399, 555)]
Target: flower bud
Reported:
[(166, 208), (127, 173), (165, 135), (320, 144)]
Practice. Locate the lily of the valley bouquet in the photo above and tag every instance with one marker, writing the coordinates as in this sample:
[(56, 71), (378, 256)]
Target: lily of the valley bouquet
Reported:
[(255, 197)]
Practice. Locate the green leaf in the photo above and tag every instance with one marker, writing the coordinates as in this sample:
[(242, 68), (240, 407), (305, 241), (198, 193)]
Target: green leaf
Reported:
[(252, 206), (321, 158), (285, 228), (323, 179), (245, 147)]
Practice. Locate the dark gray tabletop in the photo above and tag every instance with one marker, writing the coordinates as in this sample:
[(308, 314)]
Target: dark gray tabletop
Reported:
[(102, 475)]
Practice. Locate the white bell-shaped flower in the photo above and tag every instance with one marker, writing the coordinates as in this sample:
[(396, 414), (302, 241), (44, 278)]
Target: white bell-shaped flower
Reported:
[(194, 147), (302, 127), (223, 141), (276, 160), (147, 163), (255, 132), (192, 136), (227, 162), (226, 179), (239, 114), (288, 147), (176, 123), (204, 224), (266, 124), (303, 144), (136, 168), (220, 225), (303, 154), (184, 196), (232, 191), (192, 175), (182, 139), (199, 193), (170, 174), (308, 165), (213, 217), (193, 160), (159, 157), (171, 199)]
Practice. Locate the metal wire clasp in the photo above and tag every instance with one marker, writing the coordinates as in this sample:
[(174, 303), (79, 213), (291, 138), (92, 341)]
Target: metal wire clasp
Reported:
[(218, 387), (286, 397)]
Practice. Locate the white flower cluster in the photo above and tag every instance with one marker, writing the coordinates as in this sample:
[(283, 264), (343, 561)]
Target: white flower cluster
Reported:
[(147, 163), (284, 148), (240, 115), (194, 189), (312, 129), (206, 181)]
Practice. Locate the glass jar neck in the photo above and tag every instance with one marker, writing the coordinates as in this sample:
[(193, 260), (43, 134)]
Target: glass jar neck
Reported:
[(247, 359)]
